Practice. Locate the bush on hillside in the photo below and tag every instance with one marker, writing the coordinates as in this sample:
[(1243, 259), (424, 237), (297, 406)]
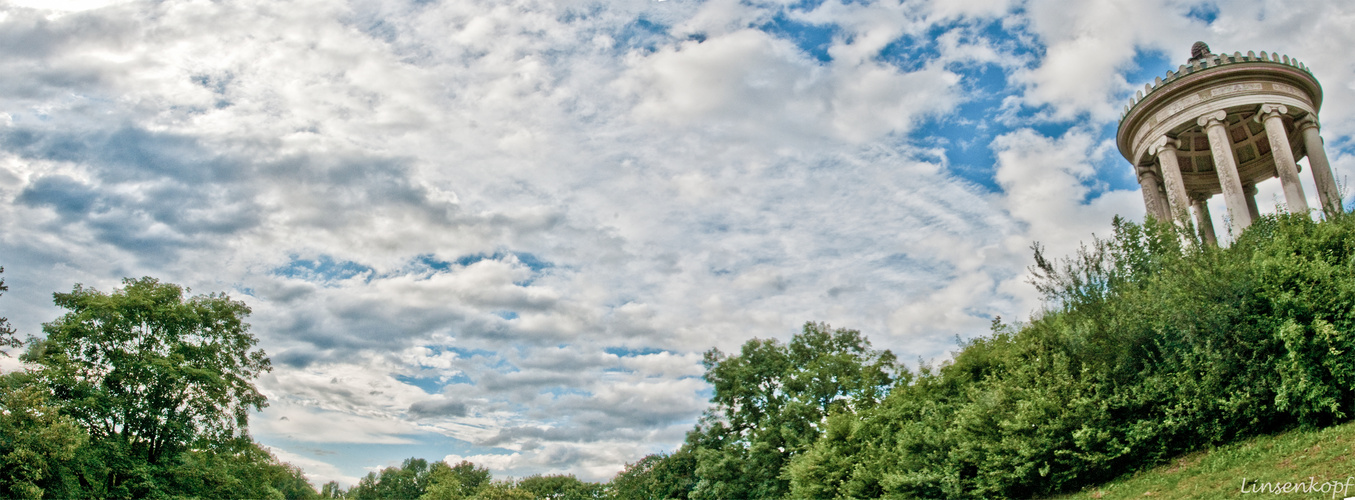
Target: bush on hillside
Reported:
[(1149, 348)]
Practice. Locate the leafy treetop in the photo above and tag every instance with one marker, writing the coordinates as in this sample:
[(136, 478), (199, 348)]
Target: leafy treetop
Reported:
[(6, 329), (145, 367)]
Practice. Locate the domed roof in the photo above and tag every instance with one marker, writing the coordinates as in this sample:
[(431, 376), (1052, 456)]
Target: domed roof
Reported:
[(1207, 81)]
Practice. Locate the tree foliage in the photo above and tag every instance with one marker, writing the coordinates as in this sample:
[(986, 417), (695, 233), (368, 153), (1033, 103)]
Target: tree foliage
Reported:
[(140, 393), (7, 338), (560, 487), (770, 400), (148, 372), (238, 468), (657, 477), (37, 444), (416, 478), (409, 480)]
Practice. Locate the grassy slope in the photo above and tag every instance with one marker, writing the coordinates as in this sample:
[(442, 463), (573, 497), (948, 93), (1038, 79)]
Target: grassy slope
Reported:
[(1324, 455)]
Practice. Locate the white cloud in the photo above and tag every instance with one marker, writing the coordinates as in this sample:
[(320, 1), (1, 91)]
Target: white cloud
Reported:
[(1046, 181), (718, 17), (975, 8), (509, 462), (1088, 44), (317, 472), (64, 5), (319, 426)]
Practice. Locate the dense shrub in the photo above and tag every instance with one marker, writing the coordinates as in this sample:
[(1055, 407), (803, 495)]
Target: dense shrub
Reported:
[(1149, 348)]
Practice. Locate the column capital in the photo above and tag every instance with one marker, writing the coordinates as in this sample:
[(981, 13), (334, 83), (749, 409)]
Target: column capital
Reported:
[(1250, 189), (1147, 173), (1200, 197), (1211, 118), (1268, 110), (1307, 122), (1164, 143)]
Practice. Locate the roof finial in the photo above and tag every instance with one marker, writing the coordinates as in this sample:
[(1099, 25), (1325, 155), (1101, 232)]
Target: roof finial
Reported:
[(1199, 51)]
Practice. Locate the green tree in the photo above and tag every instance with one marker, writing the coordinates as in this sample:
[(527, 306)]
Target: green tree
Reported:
[(454, 482), (365, 489), (657, 477), (560, 487), (149, 375), (37, 444), (332, 489), (443, 484), (770, 401), (471, 477), (409, 480), (501, 490), (7, 338), (238, 468)]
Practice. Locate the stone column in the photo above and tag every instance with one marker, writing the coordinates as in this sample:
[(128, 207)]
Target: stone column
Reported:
[(1152, 196), (1203, 221), (1165, 151), (1226, 166), (1250, 189), (1317, 161), (1270, 114)]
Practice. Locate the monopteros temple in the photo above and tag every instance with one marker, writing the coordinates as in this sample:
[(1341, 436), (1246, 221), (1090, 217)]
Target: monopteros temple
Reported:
[(1220, 124)]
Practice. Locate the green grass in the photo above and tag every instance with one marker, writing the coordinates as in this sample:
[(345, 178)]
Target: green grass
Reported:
[(1322, 455)]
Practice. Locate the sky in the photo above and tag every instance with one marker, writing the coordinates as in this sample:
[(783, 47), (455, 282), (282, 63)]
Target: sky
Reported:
[(506, 231)]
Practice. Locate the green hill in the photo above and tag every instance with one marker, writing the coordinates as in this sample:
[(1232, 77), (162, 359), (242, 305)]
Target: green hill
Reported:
[(1323, 460)]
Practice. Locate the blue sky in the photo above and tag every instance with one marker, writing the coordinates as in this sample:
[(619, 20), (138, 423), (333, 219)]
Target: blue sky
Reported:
[(506, 231)]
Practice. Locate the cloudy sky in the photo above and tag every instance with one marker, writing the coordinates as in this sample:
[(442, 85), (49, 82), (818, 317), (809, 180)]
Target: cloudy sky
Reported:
[(506, 230)]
